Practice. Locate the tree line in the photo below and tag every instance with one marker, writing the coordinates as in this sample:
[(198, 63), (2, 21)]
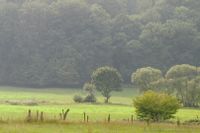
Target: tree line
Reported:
[(183, 81), (60, 42)]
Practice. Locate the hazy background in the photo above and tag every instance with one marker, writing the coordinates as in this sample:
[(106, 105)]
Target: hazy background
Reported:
[(60, 42)]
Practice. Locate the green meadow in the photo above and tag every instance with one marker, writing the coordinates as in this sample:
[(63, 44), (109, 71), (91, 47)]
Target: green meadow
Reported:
[(15, 103)]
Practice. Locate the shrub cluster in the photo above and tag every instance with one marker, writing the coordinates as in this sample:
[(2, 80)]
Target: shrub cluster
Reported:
[(156, 106), (78, 99), (90, 98), (87, 99)]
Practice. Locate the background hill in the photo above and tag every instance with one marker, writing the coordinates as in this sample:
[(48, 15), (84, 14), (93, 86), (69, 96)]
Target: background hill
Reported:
[(60, 42)]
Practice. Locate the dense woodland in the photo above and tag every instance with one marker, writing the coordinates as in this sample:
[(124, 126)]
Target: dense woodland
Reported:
[(60, 42)]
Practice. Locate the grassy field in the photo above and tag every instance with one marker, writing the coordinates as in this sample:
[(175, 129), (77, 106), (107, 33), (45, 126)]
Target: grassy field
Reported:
[(13, 110), (96, 128)]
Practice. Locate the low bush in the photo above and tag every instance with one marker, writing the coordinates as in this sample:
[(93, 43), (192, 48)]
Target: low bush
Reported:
[(78, 99), (90, 99), (156, 106)]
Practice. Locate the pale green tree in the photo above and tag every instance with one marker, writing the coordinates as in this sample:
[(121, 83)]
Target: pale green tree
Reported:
[(106, 79), (143, 77)]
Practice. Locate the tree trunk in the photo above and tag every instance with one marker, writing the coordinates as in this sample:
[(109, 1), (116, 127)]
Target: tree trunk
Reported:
[(107, 99)]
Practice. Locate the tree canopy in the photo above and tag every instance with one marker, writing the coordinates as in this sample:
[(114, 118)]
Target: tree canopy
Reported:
[(180, 80), (106, 79), (60, 42), (143, 77)]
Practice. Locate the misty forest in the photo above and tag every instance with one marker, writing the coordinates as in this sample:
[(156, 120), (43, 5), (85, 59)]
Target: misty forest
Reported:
[(99, 66), (60, 42)]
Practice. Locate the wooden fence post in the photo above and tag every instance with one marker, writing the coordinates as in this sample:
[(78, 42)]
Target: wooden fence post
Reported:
[(65, 114), (84, 116), (29, 117), (41, 116), (109, 118), (132, 119), (87, 118), (37, 115)]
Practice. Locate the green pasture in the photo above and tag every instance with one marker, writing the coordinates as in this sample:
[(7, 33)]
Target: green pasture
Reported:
[(52, 100), (57, 96)]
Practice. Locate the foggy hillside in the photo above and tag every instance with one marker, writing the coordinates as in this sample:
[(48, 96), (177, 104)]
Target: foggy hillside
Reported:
[(60, 42)]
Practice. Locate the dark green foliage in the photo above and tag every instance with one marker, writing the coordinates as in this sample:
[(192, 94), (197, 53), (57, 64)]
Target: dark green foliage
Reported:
[(156, 106), (78, 99), (60, 42), (90, 99), (106, 79)]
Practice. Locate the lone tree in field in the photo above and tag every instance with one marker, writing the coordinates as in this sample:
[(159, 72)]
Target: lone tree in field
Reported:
[(107, 79), (156, 106)]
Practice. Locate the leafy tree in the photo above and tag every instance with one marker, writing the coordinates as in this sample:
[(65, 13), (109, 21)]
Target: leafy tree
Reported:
[(182, 77), (144, 76), (163, 85), (192, 94), (106, 80), (156, 106), (180, 71)]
